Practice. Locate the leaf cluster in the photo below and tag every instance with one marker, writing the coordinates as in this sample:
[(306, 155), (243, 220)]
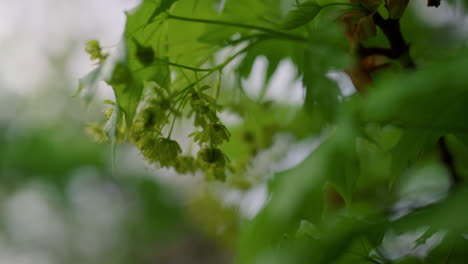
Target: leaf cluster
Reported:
[(343, 201)]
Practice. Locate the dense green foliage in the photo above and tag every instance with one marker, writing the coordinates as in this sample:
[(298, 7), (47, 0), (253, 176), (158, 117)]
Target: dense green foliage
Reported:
[(387, 155)]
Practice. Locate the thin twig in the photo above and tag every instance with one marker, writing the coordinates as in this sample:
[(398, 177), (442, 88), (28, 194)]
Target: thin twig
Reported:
[(240, 25)]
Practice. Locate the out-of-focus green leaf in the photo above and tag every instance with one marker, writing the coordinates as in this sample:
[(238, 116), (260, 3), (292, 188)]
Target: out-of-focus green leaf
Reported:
[(322, 94), (326, 52), (297, 193), (432, 98), (146, 54), (274, 51), (301, 15), (448, 215), (458, 146), (426, 104), (411, 146), (162, 6)]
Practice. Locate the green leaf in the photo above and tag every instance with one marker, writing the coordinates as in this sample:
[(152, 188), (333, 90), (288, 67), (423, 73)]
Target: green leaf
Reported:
[(328, 50), (88, 84), (449, 214), (116, 72), (291, 191), (147, 43), (458, 146), (322, 94), (162, 6), (134, 62), (433, 98), (425, 104), (303, 14), (411, 146), (298, 193), (127, 91), (275, 51)]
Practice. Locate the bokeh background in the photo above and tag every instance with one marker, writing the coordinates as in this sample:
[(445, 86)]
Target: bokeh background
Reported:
[(61, 201)]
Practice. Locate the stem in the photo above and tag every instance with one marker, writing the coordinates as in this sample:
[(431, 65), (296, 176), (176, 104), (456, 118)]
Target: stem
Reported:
[(185, 75), (175, 65), (226, 62), (209, 70), (218, 86), (239, 25), (189, 68), (182, 91), (172, 126), (196, 78), (340, 4)]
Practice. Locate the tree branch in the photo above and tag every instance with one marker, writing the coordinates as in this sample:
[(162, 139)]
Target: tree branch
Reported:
[(447, 159), (398, 47), (368, 51)]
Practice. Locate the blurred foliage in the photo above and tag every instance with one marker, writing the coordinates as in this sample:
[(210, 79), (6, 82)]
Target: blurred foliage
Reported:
[(59, 168)]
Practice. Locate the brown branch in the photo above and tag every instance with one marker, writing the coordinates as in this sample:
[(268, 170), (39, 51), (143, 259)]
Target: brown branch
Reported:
[(399, 49), (369, 51), (435, 3), (398, 46), (447, 159)]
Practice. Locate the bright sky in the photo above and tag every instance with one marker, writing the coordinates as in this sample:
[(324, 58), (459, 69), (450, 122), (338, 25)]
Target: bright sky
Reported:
[(31, 30)]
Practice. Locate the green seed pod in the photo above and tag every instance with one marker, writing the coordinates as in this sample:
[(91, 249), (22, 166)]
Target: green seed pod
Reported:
[(195, 102), (108, 112), (186, 164), (96, 133), (200, 120), (215, 173), (212, 156), (147, 146), (167, 151), (215, 134), (94, 50)]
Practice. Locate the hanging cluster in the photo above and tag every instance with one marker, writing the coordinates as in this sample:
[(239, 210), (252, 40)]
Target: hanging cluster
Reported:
[(152, 126), (212, 134), (148, 135)]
